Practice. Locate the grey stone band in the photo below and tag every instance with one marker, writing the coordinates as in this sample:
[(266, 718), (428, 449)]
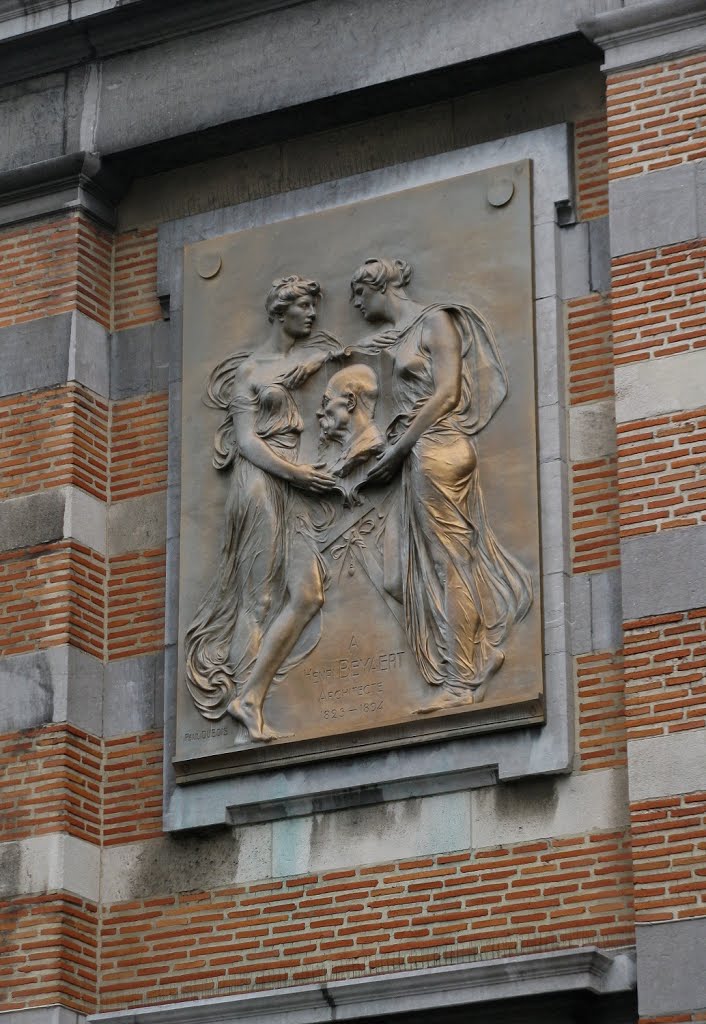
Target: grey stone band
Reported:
[(596, 611), (664, 572), (53, 350), (50, 351), (670, 966), (63, 684), (658, 208), (669, 765)]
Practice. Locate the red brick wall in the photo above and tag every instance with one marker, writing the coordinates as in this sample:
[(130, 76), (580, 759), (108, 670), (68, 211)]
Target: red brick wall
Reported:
[(521, 898), (139, 446), (54, 266), (591, 159), (665, 673), (655, 116), (601, 710), (132, 773), (659, 301), (669, 857), (135, 279), (50, 781), (53, 437), (662, 476), (49, 952), (50, 595)]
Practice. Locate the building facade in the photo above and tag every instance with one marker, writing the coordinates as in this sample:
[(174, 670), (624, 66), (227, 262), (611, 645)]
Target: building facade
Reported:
[(552, 870)]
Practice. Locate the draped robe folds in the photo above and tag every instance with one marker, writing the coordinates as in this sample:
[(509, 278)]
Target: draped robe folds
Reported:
[(461, 590), (262, 516)]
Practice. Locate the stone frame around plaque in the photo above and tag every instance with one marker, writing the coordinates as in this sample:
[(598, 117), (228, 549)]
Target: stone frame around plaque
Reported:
[(442, 764)]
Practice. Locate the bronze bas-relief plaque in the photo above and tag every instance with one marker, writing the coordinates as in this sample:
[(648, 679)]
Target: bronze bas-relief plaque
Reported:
[(359, 523)]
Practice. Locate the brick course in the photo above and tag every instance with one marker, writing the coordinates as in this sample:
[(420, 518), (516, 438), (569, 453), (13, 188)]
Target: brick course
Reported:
[(655, 116), (594, 515), (50, 781), (669, 857), (135, 279), (139, 446), (49, 952), (54, 437), (662, 472), (665, 673), (133, 788), (52, 594), (659, 301), (601, 710), (589, 329), (135, 598), (591, 158), (55, 266)]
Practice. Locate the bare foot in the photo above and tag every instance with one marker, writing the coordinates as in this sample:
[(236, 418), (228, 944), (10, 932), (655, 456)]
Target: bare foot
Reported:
[(271, 734), (446, 700), (250, 716), (492, 664)]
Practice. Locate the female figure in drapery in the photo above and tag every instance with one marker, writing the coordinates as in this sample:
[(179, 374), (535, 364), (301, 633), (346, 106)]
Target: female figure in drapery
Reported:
[(262, 613), (460, 589)]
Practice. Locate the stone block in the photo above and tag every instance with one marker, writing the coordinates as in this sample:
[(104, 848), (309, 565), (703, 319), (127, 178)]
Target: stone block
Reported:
[(580, 618), (555, 595), (379, 142), (35, 354), (49, 863), (575, 260), (32, 519), (550, 360), (592, 430), (137, 524), (43, 1015), (606, 610), (599, 249), (84, 692), (141, 95), (89, 354), (653, 209), (160, 867), (664, 572), (670, 967), (663, 766), (139, 358), (553, 504), (85, 519), (532, 809), (31, 121), (60, 684), (50, 351), (371, 835), (551, 430), (654, 387), (133, 687)]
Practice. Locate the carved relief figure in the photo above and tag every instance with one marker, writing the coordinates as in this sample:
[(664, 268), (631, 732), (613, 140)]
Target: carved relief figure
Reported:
[(461, 591), (261, 614), (346, 418)]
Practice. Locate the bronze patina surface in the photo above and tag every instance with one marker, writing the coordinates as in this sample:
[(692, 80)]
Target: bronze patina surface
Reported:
[(360, 561)]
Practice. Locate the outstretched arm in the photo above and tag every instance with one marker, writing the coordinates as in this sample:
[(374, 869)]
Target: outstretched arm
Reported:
[(260, 454)]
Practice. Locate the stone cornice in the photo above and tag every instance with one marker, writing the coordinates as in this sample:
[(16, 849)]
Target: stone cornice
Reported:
[(77, 181), (53, 34), (645, 33), (587, 970)]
